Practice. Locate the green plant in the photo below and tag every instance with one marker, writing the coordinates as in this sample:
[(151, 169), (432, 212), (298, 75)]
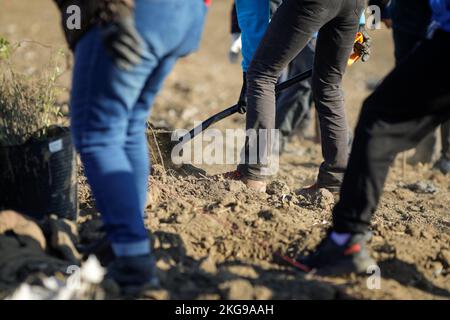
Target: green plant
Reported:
[(27, 102), (4, 48)]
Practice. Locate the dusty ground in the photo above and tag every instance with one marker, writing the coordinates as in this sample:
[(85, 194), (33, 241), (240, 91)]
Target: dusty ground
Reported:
[(214, 239)]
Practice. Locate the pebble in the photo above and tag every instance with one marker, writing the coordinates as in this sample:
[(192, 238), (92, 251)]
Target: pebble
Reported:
[(444, 257), (422, 187), (237, 290), (277, 188), (208, 266)]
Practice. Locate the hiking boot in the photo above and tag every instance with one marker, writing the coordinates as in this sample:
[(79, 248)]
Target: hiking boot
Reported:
[(256, 185), (330, 258), (443, 165), (133, 274)]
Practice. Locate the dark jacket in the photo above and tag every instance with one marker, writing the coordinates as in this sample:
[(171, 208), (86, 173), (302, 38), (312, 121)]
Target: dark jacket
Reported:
[(411, 16), (92, 13)]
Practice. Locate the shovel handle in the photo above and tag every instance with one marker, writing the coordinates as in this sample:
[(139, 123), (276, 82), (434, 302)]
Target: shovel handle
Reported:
[(235, 109)]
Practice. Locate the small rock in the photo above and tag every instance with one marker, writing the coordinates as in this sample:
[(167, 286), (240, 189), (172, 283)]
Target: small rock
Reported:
[(228, 200), (444, 257), (266, 214), (157, 294), (437, 268), (257, 223), (163, 265), (263, 293), (189, 113), (237, 290), (182, 218), (422, 187), (243, 271), (65, 109), (426, 234), (208, 266), (412, 231), (414, 208), (321, 198), (153, 196), (234, 186), (208, 241), (277, 188), (324, 199)]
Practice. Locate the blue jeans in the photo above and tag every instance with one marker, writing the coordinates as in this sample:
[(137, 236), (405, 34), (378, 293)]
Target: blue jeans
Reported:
[(110, 107), (253, 17)]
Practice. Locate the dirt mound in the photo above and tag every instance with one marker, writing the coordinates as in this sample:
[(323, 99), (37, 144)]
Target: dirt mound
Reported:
[(215, 239)]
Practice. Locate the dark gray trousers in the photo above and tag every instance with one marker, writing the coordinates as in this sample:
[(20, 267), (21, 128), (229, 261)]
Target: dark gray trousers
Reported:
[(294, 104), (290, 30)]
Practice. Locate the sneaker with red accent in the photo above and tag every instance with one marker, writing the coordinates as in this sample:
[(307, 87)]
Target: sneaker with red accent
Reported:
[(329, 258)]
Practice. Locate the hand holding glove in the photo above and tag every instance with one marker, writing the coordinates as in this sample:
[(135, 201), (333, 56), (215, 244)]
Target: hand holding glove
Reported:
[(363, 49), (235, 48), (123, 42), (242, 102), (117, 24)]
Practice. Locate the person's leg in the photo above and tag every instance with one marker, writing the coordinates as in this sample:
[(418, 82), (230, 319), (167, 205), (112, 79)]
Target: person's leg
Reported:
[(106, 131), (136, 142), (394, 118), (404, 44), (292, 26), (402, 110), (172, 29), (136, 147), (294, 104), (102, 97), (185, 34), (334, 46)]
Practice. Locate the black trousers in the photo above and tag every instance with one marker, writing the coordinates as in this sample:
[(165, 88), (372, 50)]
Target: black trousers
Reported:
[(290, 30), (409, 104), (405, 42)]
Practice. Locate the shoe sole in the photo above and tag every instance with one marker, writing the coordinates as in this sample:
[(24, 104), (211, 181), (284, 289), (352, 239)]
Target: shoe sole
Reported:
[(344, 268), (347, 267)]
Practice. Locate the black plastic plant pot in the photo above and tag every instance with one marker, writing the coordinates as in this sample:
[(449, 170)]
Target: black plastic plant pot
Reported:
[(39, 177)]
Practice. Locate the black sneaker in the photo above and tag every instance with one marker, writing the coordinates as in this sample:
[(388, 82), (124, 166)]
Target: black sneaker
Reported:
[(133, 274), (330, 258)]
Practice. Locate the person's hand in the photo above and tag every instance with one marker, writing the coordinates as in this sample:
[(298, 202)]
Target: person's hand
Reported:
[(363, 49), (387, 23), (235, 48), (123, 42), (242, 102)]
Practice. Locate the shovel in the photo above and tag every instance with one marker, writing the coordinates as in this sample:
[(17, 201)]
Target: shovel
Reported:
[(160, 139)]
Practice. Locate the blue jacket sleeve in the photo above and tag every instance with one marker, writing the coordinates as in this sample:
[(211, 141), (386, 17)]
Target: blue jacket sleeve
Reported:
[(441, 13), (253, 17)]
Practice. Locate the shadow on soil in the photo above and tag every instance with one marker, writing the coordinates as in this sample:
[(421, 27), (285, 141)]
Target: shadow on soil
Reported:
[(408, 275), (187, 278)]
